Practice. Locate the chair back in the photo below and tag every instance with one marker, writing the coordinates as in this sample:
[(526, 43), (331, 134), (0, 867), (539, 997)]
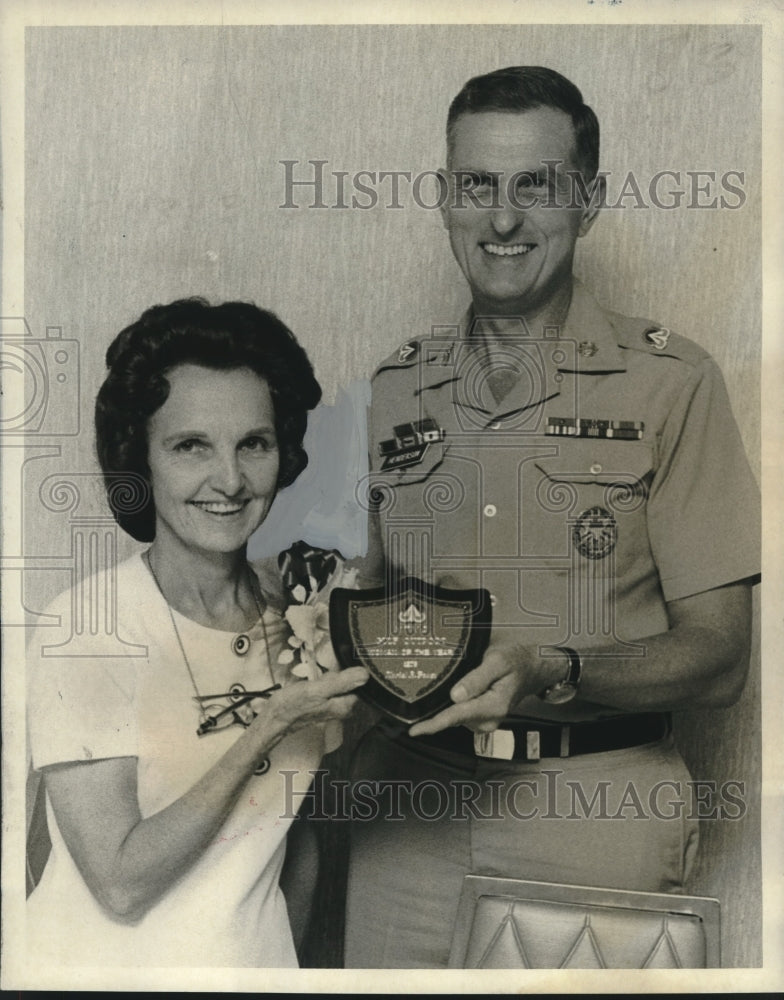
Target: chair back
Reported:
[(514, 924)]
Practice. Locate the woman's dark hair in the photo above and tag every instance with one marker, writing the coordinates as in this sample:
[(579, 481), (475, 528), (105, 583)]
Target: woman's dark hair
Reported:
[(191, 331)]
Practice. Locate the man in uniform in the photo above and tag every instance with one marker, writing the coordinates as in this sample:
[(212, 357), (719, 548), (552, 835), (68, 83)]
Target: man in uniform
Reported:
[(586, 470)]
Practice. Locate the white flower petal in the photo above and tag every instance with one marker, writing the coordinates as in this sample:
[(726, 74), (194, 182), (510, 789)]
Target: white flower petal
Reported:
[(308, 670), (302, 619), (326, 657)]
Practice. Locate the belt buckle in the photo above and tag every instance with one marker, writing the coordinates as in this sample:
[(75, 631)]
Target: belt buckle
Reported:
[(533, 749), (498, 745)]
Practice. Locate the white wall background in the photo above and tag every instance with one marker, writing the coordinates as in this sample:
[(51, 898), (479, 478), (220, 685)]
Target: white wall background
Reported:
[(152, 171)]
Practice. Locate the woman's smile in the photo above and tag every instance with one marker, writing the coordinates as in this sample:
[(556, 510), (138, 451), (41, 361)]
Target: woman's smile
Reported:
[(221, 508)]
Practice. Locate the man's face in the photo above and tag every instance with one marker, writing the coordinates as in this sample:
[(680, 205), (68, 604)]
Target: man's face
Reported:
[(510, 223)]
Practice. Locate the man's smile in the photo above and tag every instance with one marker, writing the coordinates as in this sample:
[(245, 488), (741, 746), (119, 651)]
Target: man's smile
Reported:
[(510, 250)]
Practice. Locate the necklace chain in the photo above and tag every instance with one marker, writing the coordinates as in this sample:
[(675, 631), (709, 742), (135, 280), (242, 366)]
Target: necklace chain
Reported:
[(254, 586)]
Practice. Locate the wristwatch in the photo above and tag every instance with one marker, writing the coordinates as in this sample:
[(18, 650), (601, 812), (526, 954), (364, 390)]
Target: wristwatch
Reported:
[(565, 689)]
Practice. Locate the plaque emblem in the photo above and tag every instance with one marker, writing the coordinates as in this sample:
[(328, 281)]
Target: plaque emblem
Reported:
[(416, 641)]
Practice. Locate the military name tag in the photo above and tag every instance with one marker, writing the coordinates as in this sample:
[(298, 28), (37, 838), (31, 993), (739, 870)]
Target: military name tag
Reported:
[(409, 444), (416, 641)]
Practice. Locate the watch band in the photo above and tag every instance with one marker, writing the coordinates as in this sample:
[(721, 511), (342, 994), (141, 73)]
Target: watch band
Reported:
[(566, 688), (575, 665)]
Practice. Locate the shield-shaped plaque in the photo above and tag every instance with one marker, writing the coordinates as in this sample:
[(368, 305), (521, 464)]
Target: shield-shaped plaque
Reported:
[(416, 640)]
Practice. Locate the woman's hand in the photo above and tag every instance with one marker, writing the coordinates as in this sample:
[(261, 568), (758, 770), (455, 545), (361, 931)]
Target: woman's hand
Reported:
[(306, 703), (129, 862)]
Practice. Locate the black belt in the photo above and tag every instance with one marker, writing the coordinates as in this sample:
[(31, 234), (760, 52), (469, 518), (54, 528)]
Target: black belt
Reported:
[(534, 739)]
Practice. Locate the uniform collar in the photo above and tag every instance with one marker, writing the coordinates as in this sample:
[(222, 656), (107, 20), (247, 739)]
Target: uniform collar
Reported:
[(589, 327), (590, 347), (587, 324)]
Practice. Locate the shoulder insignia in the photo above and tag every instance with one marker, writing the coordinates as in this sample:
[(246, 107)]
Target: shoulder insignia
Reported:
[(407, 351), (405, 358), (657, 337), (636, 334)]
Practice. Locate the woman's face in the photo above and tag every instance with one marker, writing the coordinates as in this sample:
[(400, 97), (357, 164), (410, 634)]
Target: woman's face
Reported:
[(213, 458)]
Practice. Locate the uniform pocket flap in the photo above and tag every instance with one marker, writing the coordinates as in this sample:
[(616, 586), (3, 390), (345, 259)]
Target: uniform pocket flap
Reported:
[(588, 460)]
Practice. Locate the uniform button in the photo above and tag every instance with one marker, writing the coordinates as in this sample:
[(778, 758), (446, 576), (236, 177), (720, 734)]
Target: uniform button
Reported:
[(493, 600), (587, 348), (491, 510), (596, 469)]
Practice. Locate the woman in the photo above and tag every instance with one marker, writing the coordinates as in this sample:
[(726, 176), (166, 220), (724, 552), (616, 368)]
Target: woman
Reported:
[(170, 771)]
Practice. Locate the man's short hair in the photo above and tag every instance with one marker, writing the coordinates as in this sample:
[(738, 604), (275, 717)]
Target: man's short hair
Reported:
[(523, 88)]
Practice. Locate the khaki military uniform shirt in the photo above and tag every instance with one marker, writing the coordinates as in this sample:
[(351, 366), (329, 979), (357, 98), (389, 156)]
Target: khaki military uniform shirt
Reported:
[(609, 481)]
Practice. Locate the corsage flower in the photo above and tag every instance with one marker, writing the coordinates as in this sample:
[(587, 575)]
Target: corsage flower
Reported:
[(310, 576)]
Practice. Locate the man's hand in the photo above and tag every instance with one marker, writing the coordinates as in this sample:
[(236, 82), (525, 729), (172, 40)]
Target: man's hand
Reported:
[(701, 660), (486, 695)]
